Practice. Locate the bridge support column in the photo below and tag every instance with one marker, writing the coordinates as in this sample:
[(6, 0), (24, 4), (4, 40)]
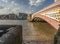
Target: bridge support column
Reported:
[(57, 36)]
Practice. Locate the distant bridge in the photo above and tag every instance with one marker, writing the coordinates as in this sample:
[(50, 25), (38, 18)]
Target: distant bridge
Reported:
[(50, 14)]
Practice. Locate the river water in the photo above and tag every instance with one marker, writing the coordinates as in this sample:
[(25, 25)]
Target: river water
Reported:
[(37, 31), (33, 32)]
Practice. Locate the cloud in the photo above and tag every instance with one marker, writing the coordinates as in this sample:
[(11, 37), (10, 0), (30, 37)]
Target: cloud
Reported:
[(12, 2), (35, 2), (55, 0), (9, 7), (5, 1)]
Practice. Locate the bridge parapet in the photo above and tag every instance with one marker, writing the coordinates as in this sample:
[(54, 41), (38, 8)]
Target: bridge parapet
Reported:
[(55, 16)]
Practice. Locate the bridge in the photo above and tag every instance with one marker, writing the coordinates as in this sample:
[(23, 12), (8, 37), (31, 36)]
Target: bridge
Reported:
[(50, 14)]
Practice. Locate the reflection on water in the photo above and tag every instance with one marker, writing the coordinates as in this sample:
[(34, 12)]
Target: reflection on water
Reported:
[(38, 31)]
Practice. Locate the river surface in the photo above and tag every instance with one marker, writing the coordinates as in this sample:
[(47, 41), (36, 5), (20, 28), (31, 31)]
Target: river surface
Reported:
[(37, 31), (33, 32)]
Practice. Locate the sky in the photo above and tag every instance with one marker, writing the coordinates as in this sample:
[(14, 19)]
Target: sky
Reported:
[(23, 6)]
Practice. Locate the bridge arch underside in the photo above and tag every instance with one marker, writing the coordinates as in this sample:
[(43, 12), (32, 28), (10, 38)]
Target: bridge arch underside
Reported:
[(38, 19), (51, 21)]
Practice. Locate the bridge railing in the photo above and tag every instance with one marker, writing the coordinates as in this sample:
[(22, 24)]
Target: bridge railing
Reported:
[(55, 16)]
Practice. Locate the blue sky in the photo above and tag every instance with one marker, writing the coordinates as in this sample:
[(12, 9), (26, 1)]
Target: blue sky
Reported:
[(24, 6)]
